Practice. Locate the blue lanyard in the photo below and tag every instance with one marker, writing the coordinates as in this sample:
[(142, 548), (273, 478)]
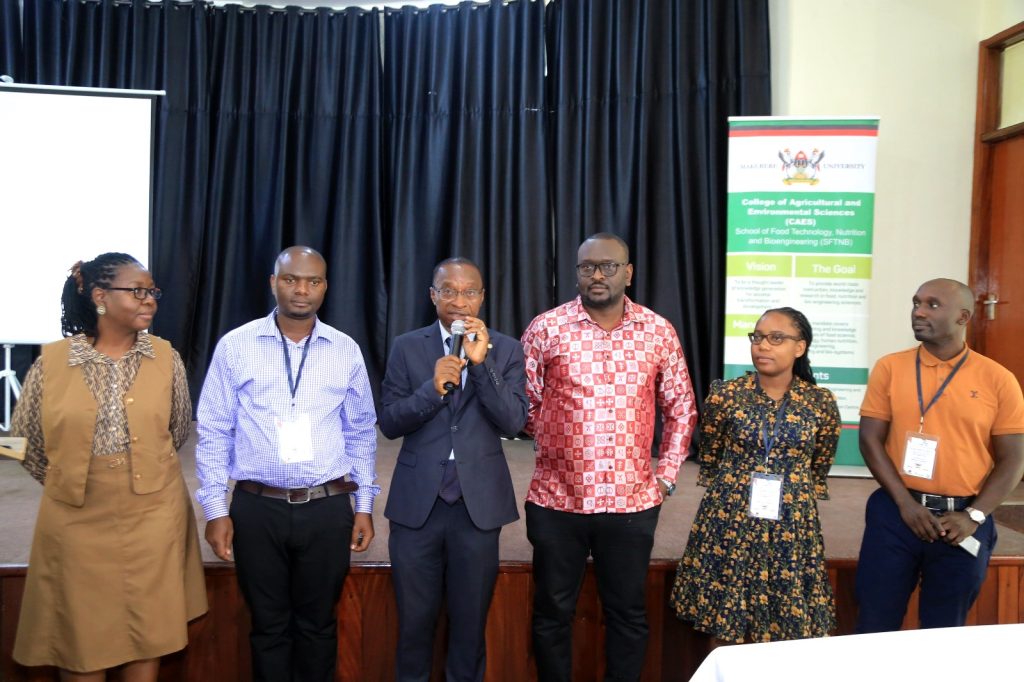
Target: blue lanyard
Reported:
[(769, 439), (920, 393), (293, 385)]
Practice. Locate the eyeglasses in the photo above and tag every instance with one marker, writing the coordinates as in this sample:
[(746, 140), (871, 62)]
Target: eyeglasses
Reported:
[(774, 338), (139, 292), (447, 294), (608, 268)]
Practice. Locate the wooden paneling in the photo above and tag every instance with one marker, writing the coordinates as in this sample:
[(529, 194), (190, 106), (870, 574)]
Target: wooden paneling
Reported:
[(368, 628)]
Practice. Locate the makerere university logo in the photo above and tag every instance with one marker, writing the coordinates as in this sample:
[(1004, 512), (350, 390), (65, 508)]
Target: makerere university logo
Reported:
[(801, 168)]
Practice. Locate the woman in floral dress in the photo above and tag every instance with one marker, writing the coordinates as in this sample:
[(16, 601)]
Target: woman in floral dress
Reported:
[(754, 567)]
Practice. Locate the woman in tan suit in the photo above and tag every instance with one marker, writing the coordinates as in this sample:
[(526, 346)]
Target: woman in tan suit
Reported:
[(115, 572)]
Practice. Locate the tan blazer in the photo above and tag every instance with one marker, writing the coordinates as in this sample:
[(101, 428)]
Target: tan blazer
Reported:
[(69, 420)]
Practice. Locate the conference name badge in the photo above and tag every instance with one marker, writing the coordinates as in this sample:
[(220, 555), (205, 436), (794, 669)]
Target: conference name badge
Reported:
[(294, 438), (765, 495), (919, 454)]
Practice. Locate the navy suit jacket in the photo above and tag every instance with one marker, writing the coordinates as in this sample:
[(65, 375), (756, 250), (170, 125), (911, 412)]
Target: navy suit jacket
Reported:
[(493, 402)]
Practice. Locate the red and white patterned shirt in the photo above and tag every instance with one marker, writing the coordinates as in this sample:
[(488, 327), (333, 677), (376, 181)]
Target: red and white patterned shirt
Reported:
[(592, 404)]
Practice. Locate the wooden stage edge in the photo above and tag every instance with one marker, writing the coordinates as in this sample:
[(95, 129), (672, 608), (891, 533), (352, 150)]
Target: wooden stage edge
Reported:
[(218, 648)]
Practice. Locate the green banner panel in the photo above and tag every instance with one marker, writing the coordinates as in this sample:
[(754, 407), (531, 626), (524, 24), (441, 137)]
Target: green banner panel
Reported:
[(800, 222)]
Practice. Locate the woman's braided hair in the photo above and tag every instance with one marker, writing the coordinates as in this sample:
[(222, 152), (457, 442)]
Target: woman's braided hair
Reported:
[(78, 314)]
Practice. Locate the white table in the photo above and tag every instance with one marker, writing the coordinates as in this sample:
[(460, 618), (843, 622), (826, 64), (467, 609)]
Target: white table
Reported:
[(982, 653)]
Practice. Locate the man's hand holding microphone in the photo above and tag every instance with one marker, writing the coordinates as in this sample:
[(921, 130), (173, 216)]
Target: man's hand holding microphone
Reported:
[(448, 369)]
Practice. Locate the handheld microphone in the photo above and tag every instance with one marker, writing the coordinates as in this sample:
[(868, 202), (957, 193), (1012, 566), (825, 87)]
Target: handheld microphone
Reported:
[(458, 333)]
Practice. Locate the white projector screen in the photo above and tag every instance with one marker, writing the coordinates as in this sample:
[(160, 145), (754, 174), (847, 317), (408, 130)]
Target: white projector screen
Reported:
[(75, 180)]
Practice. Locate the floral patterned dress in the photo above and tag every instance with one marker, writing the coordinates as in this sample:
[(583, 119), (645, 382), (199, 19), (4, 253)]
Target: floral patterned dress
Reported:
[(743, 578)]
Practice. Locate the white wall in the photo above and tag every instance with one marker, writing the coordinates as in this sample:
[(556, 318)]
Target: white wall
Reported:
[(914, 63), (999, 15)]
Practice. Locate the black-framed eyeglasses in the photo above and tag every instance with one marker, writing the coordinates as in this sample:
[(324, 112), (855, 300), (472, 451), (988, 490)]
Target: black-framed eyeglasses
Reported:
[(448, 294), (608, 268), (774, 338), (139, 292)]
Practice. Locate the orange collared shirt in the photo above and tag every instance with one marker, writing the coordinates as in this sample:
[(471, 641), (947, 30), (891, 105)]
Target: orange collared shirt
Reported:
[(983, 400)]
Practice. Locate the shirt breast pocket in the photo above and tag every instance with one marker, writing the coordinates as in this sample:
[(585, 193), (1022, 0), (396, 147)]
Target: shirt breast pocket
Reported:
[(334, 388)]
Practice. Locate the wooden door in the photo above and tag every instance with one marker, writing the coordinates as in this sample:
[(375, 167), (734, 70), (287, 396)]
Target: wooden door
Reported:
[(997, 222)]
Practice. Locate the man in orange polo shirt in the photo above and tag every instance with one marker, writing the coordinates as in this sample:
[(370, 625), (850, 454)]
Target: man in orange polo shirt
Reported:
[(942, 430)]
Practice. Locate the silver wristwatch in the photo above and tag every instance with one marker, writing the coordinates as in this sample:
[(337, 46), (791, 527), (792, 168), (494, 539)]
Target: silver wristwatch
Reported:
[(976, 515), (669, 487)]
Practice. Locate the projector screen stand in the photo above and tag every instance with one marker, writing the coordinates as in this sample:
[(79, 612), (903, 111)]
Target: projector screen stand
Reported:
[(11, 386)]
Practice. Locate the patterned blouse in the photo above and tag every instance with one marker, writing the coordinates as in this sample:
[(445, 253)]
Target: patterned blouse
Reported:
[(108, 381)]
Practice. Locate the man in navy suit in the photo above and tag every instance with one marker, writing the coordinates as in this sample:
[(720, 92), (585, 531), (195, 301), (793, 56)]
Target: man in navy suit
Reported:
[(451, 492)]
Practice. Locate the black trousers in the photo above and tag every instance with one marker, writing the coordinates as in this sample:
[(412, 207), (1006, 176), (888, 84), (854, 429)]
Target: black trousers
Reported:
[(621, 545), (291, 561), (893, 561), (448, 557)]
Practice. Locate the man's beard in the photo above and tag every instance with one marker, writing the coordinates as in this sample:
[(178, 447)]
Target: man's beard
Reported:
[(297, 314), (609, 302)]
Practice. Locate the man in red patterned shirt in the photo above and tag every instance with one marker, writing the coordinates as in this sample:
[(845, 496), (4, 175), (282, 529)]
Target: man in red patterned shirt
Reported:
[(595, 368)]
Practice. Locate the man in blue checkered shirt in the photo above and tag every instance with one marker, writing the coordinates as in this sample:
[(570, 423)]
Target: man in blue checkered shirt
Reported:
[(286, 411)]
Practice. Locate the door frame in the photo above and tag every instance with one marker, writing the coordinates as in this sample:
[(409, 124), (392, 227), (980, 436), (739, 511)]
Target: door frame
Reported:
[(986, 132)]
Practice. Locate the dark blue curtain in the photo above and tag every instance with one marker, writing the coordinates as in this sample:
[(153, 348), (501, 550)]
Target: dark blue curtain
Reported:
[(294, 158), (501, 132), (639, 97), (140, 46), (268, 136), (465, 149), (11, 58)]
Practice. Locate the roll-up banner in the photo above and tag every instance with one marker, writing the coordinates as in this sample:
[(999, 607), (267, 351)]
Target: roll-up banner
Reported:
[(800, 219)]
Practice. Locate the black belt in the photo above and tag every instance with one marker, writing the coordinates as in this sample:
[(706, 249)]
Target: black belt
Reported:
[(941, 502), (299, 495)]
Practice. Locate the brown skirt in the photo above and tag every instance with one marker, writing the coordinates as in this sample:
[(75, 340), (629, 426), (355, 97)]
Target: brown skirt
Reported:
[(112, 581)]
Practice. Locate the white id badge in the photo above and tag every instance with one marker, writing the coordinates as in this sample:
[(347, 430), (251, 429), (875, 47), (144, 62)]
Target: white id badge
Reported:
[(765, 495), (919, 453), (295, 439)]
